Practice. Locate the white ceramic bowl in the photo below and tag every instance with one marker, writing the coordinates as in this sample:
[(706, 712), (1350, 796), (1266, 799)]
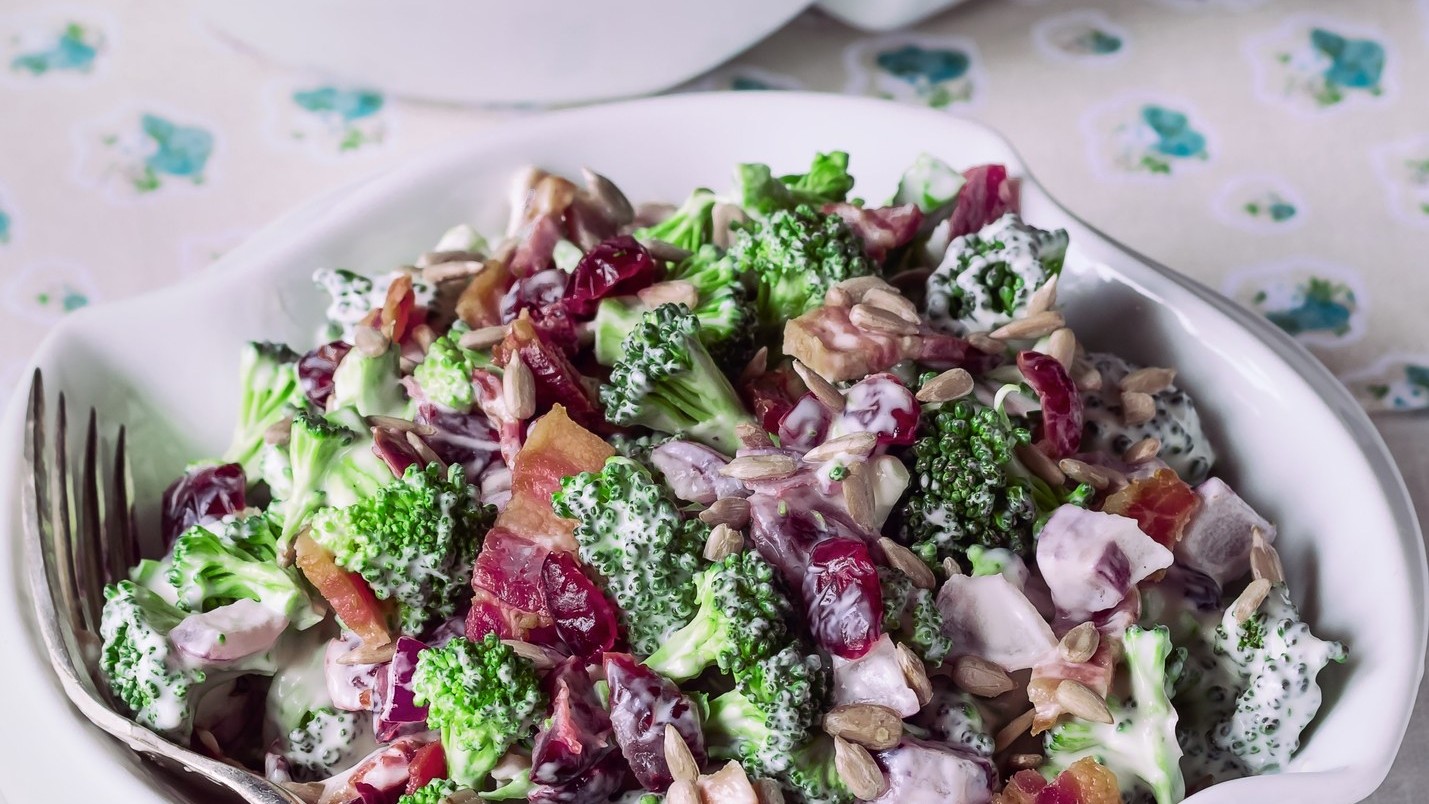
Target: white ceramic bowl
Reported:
[(502, 51), (1291, 439), (884, 15)]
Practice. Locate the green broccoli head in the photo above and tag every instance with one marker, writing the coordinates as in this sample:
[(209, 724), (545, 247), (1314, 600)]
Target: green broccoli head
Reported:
[(912, 615), (793, 258), (689, 227), (812, 777), (1140, 745), (988, 277), (445, 373), (666, 380), (413, 540), (769, 714), (330, 462), (216, 564), (437, 791), (482, 697), (931, 184), (965, 490), (370, 385), (827, 181), (1268, 669), (143, 670), (268, 373), (742, 618), (725, 311), (634, 536), (324, 742)]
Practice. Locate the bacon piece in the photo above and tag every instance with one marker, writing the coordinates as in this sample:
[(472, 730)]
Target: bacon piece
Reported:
[(1061, 428), (829, 343), (480, 303), (536, 243), (557, 381), (555, 448), (1084, 782), (986, 195), (1096, 672), (1161, 505), (883, 229), (509, 596)]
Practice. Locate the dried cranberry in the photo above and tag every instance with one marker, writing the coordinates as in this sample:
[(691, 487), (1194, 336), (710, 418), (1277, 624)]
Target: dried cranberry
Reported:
[(642, 702), (882, 405), (843, 597), (557, 381), (577, 734), (585, 620), (785, 534), (986, 195), (460, 438), (508, 596), (595, 786), (617, 266), (315, 370), (1061, 429), (940, 350), (771, 395), (202, 494), (541, 296), (805, 425)]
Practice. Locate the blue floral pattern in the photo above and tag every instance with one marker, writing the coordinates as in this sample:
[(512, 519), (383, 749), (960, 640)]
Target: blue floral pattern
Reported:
[(1085, 37), (1395, 382), (1259, 203), (330, 119), (940, 73), (46, 290), (139, 153), (1403, 172), (1316, 64), (1144, 137), (72, 50), (1318, 303)]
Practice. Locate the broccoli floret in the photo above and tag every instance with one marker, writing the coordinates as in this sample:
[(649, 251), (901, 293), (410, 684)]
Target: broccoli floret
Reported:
[(897, 589), (769, 713), (146, 673), (1268, 669), (953, 717), (964, 490), (913, 616), (742, 618), (216, 564), (689, 227), (812, 777), (445, 373), (324, 742), (1140, 744), (988, 277), (725, 312), (666, 380), (413, 540), (330, 465), (930, 183), (793, 259), (482, 697), (369, 384), (634, 536), (268, 373), (828, 180), (354, 296), (437, 791)]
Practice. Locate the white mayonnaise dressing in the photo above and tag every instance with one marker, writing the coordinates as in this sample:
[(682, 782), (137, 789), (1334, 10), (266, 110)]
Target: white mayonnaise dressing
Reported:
[(1184, 447)]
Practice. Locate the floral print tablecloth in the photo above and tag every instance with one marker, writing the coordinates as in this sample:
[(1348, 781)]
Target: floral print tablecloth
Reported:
[(1278, 151)]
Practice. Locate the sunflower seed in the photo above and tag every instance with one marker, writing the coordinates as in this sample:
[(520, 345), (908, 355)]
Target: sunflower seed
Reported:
[(518, 388), (1032, 327), (425, 452), (1086, 377), (837, 297), (1081, 472), (1149, 380), (675, 291), (1264, 559), (951, 568), (455, 256), (612, 201), (369, 654), (860, 443), (870, 725), (1039, 464), (1018, 726), (401, 425), (915, 674), (278, 432), (551, 196), (760, 467), (538, 656), (723, 542), (858, 495), (464, 265), (860, 774), (1137, 408), (984, 342), (682, 791), (210, 743), (768, 791), (678, 756), (894, 303), (424, 336), (1078, 644), (903, 560), (722, 221), (1142, 451), (1250, 599), (668, 252), (484, 338), (1024, 761), (1044, 298), (859, 285), (757, 365), (406, 365), (369, 341), (1079, 699), (980, 677), (954, 383), (822, 389), (752, 436), (1062, 346), (731, 511), (875, 319)]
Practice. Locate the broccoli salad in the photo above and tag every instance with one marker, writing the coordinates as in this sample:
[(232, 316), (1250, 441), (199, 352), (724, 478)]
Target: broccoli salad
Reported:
[(774, 495)]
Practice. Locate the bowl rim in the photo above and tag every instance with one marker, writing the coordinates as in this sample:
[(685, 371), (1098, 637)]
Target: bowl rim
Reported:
[(273, 237)]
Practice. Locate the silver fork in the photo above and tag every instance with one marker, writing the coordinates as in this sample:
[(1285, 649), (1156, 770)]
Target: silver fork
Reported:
[(71, 553)]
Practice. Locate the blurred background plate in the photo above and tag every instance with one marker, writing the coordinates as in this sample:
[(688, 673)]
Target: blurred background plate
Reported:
[(884, 15)]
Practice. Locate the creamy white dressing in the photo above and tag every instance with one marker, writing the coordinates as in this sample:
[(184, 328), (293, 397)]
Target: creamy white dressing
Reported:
[(1177, 425), (354, 296), (989, 617), (875, 677), (1006, 244), (919, 774)]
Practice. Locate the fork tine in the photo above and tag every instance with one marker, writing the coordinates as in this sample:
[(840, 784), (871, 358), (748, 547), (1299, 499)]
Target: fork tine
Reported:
[(63, 526), (126, 531), (88, 537), (117, 557)]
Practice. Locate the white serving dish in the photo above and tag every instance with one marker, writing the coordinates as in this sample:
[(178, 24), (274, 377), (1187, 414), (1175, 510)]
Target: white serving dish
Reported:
[(884, 15), (1291, 438), (487, 51)]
